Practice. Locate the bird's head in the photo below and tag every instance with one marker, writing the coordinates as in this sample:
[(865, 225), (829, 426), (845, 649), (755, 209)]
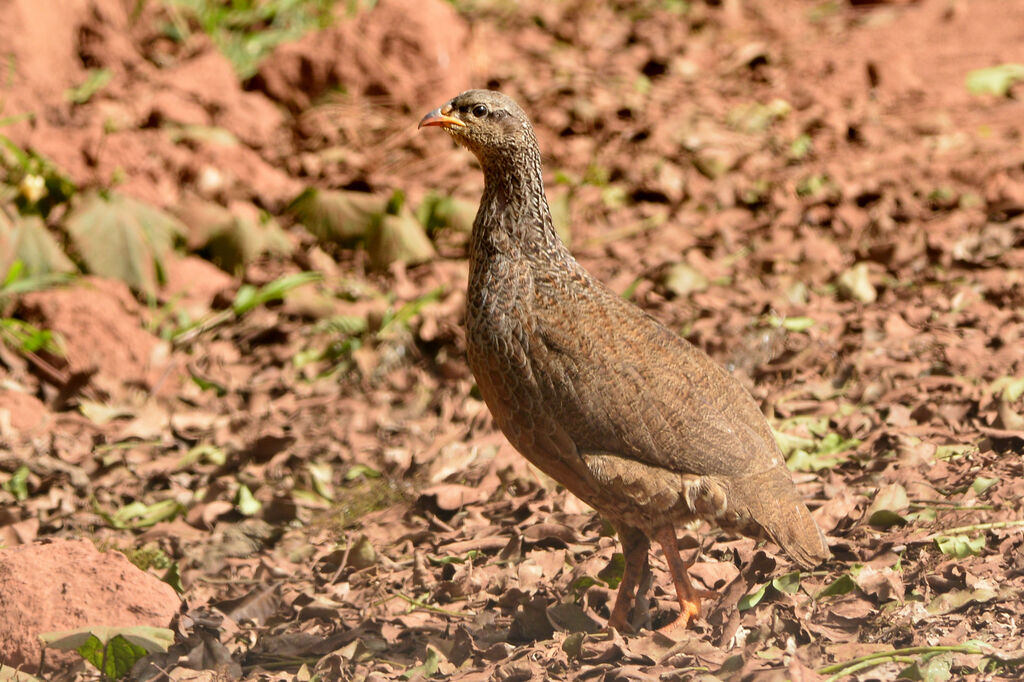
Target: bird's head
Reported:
[(485, 122)]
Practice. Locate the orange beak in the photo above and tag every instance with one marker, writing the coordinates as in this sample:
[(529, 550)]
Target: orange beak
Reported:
[(439, 117)]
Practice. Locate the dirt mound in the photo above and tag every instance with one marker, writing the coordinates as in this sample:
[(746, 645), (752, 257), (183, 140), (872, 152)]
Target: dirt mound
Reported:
[(104, 342), (403, 51), (22, 416), (160, 129), (42, 37), (193, 283), (68, 584)]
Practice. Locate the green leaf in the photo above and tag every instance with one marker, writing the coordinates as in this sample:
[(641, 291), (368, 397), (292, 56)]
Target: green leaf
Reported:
[(338, 216), (321, 475), (807, 454), (25, 169), (814, 186), (960, 546), (409, 310), (582, 584), (246, 503), (797, 324), (17, 484), (141, 515), (27, 338), (931, 668), (344, 325), (956, 599), (982, 484), (114, 659), (613, 572), (358, 470), (95, 80), (886, 518), (123, 238), (203, 452), (26, 240), (801, 460), (249, 297), (887, 508), (753, 598), (790, 443), (231, 239), (124, 646), (1008, 388), (172, 576), (398, 239), (362, 554), (789, 583), (844, 584), (572, 645), (995, 80), (437, 212), (833, 443), (220, 390)]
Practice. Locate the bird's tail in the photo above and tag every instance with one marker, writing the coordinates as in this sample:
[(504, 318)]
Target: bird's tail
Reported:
[(771, 500)]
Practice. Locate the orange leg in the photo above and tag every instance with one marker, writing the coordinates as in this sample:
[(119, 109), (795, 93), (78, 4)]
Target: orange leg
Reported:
[(635, 548), (689, 598)]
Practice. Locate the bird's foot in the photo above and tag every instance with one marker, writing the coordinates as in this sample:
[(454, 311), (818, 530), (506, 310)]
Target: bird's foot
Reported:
[(689, 611), (619, 619)]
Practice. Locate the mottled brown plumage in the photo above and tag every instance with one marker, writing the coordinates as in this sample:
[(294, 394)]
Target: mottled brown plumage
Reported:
[(638, 423)]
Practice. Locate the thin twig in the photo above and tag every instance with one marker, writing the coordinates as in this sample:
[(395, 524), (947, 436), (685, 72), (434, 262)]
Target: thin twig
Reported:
[(895, 655), (976, 526), (427, 607), (954, 506)]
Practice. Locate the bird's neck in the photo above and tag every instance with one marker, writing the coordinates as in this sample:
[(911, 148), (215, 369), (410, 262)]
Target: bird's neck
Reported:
[(514, 216)]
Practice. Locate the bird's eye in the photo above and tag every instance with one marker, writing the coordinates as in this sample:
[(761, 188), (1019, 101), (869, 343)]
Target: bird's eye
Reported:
[(479, 111)]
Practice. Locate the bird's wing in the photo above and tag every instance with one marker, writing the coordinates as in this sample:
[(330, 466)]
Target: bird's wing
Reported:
[(621, 383)]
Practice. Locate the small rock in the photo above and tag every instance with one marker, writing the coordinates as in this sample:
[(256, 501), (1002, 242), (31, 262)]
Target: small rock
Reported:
[(67, 584), (855, 284), (22, 416)]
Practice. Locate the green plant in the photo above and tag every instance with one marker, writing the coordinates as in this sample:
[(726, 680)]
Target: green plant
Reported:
[(40, 185), (95, 80), (247, 298), (113, 651), (121, 237), (907, 656), (24, 337), (246, 31)]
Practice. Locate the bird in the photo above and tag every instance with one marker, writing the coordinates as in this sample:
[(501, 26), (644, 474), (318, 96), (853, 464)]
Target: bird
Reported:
[(634, 420)]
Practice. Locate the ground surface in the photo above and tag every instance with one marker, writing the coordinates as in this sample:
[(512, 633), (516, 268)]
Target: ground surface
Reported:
[(807, 191)]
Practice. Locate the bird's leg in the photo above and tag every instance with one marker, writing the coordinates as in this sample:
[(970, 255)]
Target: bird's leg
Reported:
[(689, 598), (642, 603), (635, 548)]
